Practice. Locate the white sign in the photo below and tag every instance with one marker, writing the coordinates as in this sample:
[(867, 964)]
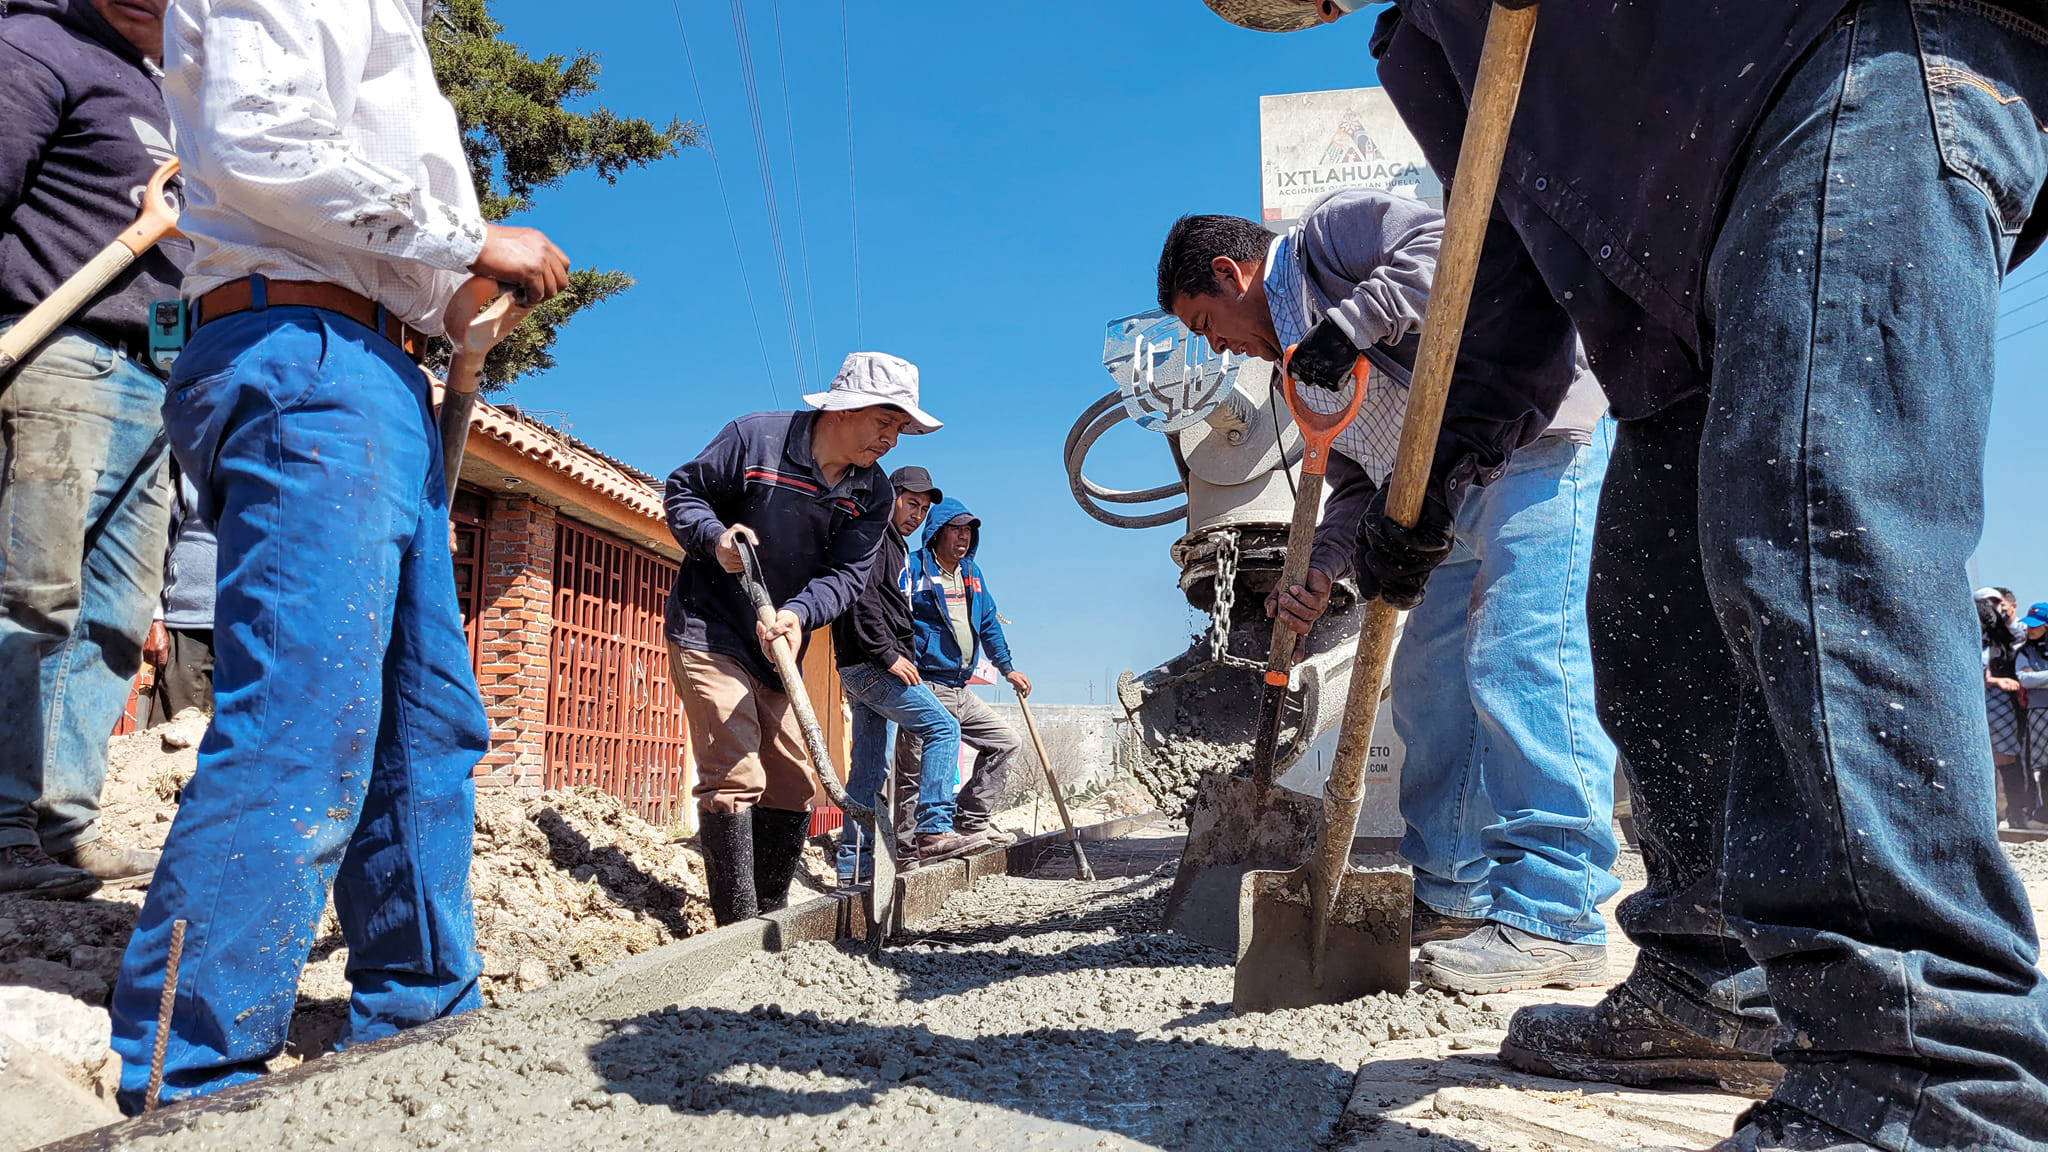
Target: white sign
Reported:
[(1313, 143)]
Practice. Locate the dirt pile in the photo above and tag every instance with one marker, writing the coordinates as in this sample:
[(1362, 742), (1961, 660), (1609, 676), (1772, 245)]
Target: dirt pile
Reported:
[(562, 882), (568, 881)]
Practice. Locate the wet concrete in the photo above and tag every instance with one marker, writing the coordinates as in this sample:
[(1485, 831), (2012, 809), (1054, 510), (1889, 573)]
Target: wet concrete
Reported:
[(1028, 1013)]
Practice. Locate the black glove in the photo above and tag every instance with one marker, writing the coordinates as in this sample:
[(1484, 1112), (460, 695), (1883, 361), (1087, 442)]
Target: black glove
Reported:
[(1324, 357), (1394, 563)]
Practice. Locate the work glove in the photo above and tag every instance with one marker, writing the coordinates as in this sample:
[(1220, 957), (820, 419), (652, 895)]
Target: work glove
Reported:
[(1324, 357), (1393, 563)]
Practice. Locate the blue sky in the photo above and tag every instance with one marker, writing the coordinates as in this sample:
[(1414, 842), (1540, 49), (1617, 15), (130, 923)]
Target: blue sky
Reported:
[(1016, 167)]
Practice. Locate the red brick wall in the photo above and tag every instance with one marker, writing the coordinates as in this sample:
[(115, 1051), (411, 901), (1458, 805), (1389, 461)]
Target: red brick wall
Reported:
[(516, 621)]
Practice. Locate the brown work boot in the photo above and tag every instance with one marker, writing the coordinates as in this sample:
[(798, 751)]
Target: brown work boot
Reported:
[(1427, 925), (26, 870), (933, 847), (115, 867), (1622, 1040)]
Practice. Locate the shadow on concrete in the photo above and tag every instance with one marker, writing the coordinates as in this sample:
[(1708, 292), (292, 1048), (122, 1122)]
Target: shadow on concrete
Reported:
[(1193, 1095)]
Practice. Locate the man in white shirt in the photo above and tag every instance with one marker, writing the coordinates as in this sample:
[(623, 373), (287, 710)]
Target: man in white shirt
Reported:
[(332, 218)]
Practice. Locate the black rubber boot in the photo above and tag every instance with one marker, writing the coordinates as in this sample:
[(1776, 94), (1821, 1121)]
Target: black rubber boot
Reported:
[(727, 839), (778, 845)]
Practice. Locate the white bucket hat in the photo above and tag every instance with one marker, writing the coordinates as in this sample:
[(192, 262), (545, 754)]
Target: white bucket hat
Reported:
[(871, 378)]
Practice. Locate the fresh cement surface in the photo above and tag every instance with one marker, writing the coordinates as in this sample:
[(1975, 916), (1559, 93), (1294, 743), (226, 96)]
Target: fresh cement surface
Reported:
[(1027, 1014)]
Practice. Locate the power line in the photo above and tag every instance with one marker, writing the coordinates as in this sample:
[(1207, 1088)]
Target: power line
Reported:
[(2024, 283), (803, 244), (2022, 307), (753, 93), (852, 199), (718, 170), (2016, 332)]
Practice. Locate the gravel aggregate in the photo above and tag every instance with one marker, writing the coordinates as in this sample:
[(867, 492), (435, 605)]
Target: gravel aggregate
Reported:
[(1027, 1014)]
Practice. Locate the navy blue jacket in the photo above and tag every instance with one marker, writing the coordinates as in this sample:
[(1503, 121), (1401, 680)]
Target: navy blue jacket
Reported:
[(82, 129), (817, 541), (1623, 154), (938, 655)]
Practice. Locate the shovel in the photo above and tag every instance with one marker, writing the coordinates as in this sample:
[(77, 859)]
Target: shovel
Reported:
[(1318, 432), (1327, 932), (480, 314), (157, 221), (1059, 799), (881, 905)]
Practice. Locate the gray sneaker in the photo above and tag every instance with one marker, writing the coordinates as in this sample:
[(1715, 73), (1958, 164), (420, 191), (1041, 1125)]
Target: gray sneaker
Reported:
[(26, 870), (1500, 957), (118, 867)]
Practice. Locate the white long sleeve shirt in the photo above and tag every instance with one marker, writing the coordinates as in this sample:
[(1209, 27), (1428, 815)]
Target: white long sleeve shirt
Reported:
[(315, 145)]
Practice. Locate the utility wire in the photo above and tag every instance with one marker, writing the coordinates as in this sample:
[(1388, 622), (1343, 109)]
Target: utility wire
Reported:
[(718, 170), (2024, 283), (753, 93), (2023, 307), (2018, 331), (803, 244), (852, 198)]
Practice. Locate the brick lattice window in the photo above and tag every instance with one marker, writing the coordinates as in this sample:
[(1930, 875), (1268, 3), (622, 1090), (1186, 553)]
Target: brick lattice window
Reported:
[(612, 718)]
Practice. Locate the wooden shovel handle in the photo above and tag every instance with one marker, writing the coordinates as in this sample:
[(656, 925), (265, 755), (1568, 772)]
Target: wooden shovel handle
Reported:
[(1499, 88)]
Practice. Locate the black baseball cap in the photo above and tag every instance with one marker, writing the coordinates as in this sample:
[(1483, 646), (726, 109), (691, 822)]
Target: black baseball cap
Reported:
[(911, 478)]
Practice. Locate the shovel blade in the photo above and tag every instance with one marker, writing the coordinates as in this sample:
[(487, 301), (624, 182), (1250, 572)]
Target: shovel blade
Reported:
[(1368, 940), (882, 892), (1229, 834)]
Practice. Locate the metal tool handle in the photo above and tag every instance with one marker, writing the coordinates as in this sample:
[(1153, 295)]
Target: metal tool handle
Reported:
[(1059, 799), (784, 657), (157, 220), (1492, 111)]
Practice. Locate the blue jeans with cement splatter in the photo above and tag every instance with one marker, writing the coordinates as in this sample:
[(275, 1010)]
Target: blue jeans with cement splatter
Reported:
[(347, 719), (84, 509)]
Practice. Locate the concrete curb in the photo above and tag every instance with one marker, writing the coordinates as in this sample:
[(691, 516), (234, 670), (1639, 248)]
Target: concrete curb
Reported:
[(637, 984)]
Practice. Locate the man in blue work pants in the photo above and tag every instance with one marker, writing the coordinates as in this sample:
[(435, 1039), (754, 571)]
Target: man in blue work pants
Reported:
[(347, 719)]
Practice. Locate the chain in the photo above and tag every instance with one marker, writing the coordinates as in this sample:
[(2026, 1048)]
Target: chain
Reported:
[(1225, 600)]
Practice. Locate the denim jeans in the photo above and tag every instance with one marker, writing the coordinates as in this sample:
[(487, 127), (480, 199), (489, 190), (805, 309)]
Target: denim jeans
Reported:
[(84, 508), (1508, 785), (995, 745), (346, 716), (1839, 734), (878, 699)]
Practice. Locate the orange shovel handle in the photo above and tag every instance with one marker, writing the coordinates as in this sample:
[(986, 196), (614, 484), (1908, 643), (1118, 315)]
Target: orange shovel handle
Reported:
[(1319, 430), (158, 219)]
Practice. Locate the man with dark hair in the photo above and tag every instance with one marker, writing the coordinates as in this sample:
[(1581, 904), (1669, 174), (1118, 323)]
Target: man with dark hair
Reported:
[(1781, 229), (875, 642), (805, 489), (1507, 789), (83, 501), (957, 624)]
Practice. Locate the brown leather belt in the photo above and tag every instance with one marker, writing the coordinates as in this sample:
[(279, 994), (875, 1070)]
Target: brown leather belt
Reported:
[(235, 296)]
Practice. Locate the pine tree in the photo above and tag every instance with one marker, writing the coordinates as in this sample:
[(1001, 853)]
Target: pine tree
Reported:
[(520, 138)]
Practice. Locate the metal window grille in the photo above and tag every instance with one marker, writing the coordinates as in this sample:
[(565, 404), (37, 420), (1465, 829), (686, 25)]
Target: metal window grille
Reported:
[(612, 718), (469, 514)]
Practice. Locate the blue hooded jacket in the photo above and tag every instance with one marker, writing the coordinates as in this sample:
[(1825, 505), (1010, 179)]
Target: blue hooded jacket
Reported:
[(938, 655)]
